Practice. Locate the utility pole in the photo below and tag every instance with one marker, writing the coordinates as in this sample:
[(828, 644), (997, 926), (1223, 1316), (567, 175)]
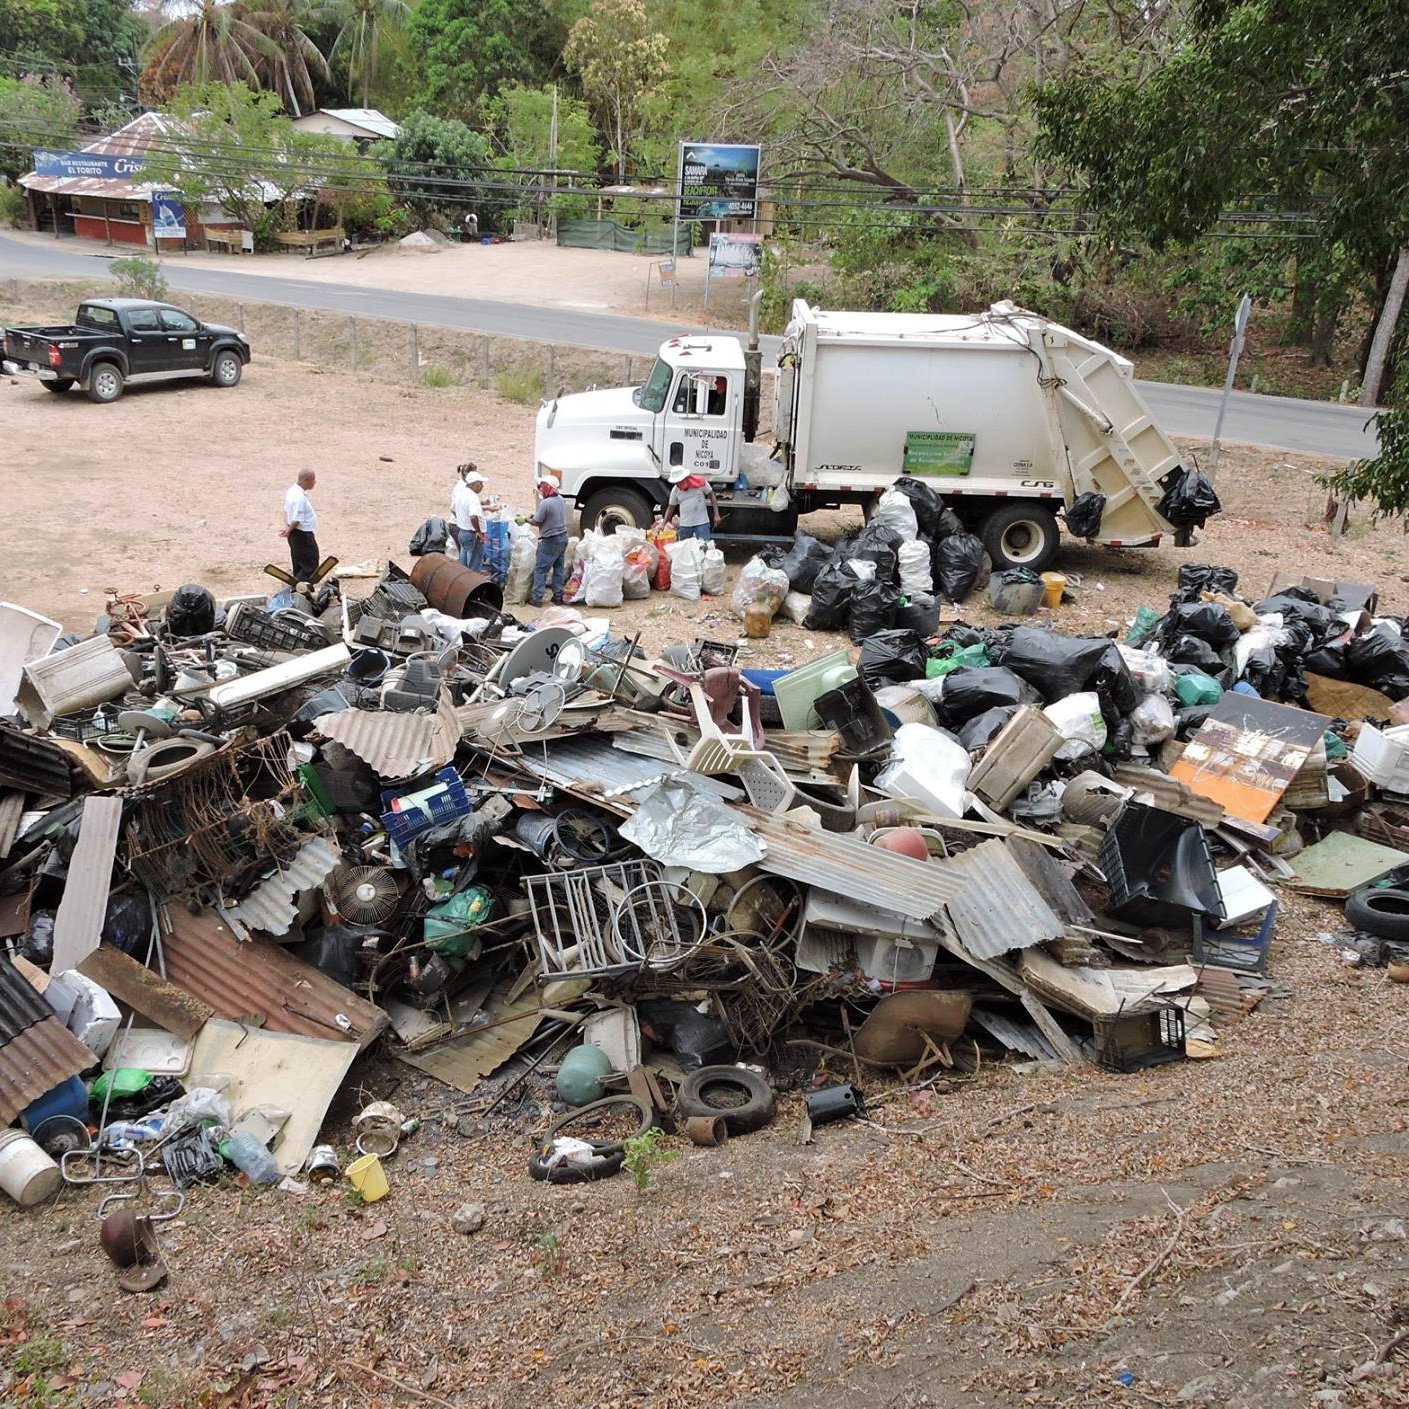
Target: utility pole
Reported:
[(1235, 350), (1384, 331)]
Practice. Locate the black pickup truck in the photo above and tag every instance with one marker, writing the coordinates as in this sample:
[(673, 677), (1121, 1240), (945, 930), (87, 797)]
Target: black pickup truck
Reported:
[(117, 339)]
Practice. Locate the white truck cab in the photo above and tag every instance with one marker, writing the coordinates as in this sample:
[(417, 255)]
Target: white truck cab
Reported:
[(1008, 415)]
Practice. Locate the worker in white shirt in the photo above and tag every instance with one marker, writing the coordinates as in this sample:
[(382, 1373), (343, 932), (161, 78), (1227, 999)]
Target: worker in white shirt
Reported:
[(300, 526), (467, 516)]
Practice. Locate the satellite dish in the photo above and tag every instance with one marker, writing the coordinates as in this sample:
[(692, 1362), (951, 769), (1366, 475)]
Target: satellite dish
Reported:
[(552, 651)]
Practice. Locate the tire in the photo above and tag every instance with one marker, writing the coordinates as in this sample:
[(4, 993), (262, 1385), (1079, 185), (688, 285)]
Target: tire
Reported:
[(613, 1157), (1383, 913), (610, 509), (105, 383), (1021, 536), (743, 1098), (645, 1118), (62, 384), (227, 369)]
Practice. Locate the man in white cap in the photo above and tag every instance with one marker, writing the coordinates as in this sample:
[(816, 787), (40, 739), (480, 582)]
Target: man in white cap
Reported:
[(550, 518), (467, 516)]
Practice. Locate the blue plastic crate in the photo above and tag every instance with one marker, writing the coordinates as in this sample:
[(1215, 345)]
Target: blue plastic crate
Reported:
[(405, 827)]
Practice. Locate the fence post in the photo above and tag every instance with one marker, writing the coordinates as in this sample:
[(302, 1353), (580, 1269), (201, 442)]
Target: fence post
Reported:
[(241, 308), (548, 375), (484, 375), (626, 370), (352, 344), (415, 355), (298, 355)]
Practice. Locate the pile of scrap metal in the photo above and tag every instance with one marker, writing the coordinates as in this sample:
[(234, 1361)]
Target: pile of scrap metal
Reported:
[(238, 841)]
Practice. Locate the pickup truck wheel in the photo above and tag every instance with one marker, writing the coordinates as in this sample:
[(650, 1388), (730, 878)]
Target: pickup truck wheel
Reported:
[(610, 509), (1021, 536), (105, 382), (226, 369), (62, 384)]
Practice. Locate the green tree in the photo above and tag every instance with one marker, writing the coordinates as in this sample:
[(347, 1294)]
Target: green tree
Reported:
[(1300, 102), (213, 43), (93, 43), (469, 49), (620, 56), (33, 115), (366, 30), (437, 166), (296, 62), (523, 125)]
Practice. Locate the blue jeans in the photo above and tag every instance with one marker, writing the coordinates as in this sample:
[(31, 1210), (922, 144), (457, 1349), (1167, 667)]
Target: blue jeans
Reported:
[(702, 531), (551, 553), (471, 549)]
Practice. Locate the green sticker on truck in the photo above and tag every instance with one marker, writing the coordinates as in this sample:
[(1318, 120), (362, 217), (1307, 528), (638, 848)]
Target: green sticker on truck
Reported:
[(938, 452)]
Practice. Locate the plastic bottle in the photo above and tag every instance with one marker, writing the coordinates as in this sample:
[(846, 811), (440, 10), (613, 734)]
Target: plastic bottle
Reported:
[(123, 1134), (251, 1158)]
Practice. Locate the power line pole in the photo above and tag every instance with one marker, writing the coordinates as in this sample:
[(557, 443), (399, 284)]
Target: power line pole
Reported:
[(1235, 350)]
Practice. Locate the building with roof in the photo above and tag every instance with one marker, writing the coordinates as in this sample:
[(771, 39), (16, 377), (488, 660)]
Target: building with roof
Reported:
[(360, 125)]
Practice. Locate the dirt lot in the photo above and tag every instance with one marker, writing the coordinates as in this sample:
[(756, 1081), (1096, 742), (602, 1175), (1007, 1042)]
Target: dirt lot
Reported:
[(1225, 1233)]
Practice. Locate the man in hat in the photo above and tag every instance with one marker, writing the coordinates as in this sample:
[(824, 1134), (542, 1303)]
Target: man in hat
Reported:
[(467, 516), (550, 518), (693, 500), (301, 526)]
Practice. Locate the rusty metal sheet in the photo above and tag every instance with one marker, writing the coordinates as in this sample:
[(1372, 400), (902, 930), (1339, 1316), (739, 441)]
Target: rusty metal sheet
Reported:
[(1016, 1034), (39, 1059), (140, 136), (392, 744), (1052, 879), (11, 811), (34, 763), (1000, 910), (78, 923), (1169, 794), (270, 906), (259, 978), (146, 992), (465, 1061)]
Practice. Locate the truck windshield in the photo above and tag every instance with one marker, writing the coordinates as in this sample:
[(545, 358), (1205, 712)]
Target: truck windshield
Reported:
[(650, 396)]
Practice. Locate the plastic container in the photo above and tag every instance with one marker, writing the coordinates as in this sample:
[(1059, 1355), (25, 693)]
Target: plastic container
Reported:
[(1053, 585), (27, 1174), (367, 1176), (250, 1157), (68, 1098), (1382, 756), (758, 622)]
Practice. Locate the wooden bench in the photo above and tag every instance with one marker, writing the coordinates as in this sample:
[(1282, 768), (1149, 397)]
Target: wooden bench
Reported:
[(228, 240), (313, 242)]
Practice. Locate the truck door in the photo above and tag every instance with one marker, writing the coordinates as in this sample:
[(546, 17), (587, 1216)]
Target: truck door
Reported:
[(701, 424), (186, 346), (146, 341)]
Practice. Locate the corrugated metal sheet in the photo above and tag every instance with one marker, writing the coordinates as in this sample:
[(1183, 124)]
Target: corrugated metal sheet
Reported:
[(21, 1005), (11, 810), (38, 1060), (1052, 878), (136, 139), (260, 978), (392, 744), (270, 906), (1000, 909), (35, 764), (1169, 794), (1014, 1034), (591, 767), (78, 924)]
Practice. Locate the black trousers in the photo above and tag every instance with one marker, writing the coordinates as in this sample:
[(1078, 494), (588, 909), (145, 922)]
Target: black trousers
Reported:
[(303, 551)]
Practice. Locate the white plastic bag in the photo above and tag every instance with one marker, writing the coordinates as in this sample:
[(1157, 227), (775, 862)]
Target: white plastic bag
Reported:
[(1152, 721), (1150, 672), (929, 765), (523, 552), (796, 606), (759, 586), (602, 580), (1078, 719), (686, 568), (576, 588), (896, 511), (915, 575), (715, 579), (862, 568), (638, 564)]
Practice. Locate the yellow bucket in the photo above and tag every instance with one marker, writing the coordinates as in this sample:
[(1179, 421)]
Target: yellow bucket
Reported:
[(1053, 585), (369, 1178)]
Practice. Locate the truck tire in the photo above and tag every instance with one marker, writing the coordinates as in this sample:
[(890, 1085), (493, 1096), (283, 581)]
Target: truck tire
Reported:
[(1382, 912), (1021, 536), (610, 509), (105, 382), (742, 1097), (62, 384), (226, 369)]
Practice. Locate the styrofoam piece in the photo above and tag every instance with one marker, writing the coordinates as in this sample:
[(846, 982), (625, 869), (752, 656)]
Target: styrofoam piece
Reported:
[(149, 1049), (92, 1016), (617, 1032), (1382, 756), (929, 765)]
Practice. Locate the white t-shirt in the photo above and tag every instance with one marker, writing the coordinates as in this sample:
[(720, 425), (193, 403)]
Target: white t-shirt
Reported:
[(298, 509), (465, 506)]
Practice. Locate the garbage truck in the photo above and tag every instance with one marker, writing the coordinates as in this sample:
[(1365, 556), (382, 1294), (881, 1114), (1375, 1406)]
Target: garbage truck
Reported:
[(1008, 415)]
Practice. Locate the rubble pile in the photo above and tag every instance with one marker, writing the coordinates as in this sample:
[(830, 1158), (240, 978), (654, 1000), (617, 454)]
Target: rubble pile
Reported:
[(243, 842)]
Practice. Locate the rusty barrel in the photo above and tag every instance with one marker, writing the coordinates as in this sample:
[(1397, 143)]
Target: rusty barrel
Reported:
[(453, 589)]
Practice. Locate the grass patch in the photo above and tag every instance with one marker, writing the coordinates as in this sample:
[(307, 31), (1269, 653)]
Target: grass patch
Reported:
[(522, 387), (372, 1271), (165, 1388), (437, 377), (39, 1356), (312, 1219)]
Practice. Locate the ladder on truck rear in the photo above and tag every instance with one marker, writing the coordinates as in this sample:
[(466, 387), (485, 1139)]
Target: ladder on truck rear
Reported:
[(1113, 446)]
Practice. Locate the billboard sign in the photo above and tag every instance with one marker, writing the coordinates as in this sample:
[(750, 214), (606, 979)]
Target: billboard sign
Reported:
[(735, 256), (718, 181), (168, 216), (87, 166)]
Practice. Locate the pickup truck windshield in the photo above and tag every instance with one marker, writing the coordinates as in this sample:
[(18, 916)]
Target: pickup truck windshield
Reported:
[(98, 317), (651, 395)]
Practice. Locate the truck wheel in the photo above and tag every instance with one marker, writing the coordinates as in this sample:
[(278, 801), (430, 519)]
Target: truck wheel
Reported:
[(62, 384), (1021, 536), (226, 369), (610, 509), (105, 382)]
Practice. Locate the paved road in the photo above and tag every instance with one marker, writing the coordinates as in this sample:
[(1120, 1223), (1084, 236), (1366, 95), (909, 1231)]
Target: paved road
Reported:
[(1312, 427)]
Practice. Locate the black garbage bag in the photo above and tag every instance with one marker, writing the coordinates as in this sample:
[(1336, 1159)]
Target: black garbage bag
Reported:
[(1204, 577), (431, 537), (1189, 500), (1084, 516), (971, 690), (1190, 650), (1293, 605), (803, 561), (893, 658), (128, 924), (981, 730), (928, 506), (949, 524), (877, 543), (1375, 655), (961, 634), (873, 607), (191, 611), (920, 614), (1327, 662), (38, 943), (832, 591), (1054, 664), (1209, 621), (1113, 682), (697, 1039), (336, 952), (1189, 720), (958, 560)]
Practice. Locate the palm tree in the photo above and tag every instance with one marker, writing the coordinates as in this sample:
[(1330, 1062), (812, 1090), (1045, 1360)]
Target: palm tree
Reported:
[(213, 42), (365, 25), (291, 69)]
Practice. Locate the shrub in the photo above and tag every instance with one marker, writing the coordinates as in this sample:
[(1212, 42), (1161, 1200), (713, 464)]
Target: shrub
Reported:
[(12, 206), (522, 387), (437, 377), (139, 278)]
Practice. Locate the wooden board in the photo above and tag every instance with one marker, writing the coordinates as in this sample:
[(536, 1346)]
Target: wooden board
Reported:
[(166, 1004), (78, 923), (1343, 699)]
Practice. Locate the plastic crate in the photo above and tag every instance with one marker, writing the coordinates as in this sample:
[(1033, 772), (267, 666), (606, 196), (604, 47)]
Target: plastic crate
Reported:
[(1135, 1041), (446, 804), (269, 633)]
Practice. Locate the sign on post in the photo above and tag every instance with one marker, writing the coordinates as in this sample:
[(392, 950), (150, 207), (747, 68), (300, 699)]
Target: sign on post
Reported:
[(718, 181), (168, 216), (735, 256), (87, 166)]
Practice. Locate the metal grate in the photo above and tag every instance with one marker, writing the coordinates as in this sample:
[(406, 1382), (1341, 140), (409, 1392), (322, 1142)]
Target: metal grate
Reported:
[(574, 915)]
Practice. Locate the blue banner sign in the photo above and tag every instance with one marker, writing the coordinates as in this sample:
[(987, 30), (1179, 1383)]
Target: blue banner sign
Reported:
[(168, 216), (91, 166)]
